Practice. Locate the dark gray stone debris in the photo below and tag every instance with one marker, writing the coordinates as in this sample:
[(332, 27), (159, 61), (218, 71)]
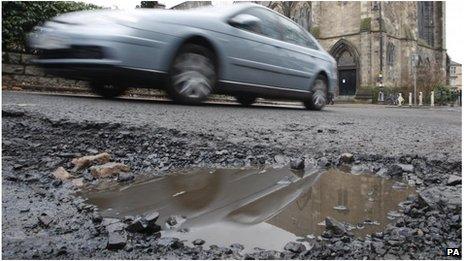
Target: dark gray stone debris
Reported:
[(152, 217), (198, 242), (335, 226), (379, 247), (171, 242), (12, 113), (454, 180), (146, 224), (294, 247), (96, 217), (174, 221), (346, 158), (280, 159), (44, 220), (406, 167), (139, 225), (395, 171), (113, 225), (116, 240), (297, 164), (24, 210), (439, 198), (125, 176), (57, 183), (237, 246)]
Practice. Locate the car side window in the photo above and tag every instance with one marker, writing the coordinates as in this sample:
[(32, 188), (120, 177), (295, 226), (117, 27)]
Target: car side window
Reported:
[(312, 44), (292, 33), (269, 23)]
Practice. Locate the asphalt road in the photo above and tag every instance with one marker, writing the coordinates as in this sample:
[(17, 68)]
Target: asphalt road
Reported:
[(431, 132), (43, 217)]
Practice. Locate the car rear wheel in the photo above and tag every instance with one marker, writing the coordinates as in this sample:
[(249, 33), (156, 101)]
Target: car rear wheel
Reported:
[(318, 98), (245, 100), (193, 75), (107, 90)]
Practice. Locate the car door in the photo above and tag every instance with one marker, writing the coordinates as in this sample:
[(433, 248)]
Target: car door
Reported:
[(302, 55), (254, 55)]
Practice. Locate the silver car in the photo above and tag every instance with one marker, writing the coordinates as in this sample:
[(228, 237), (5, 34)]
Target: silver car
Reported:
[(244, 50)]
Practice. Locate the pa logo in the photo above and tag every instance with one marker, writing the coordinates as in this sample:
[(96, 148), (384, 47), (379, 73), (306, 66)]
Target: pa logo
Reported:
[(455, 252)]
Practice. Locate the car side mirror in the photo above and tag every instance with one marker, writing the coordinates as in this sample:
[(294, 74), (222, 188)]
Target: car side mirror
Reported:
[(244, 21)]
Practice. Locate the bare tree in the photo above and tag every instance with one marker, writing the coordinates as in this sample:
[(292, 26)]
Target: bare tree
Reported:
[(298, 11)]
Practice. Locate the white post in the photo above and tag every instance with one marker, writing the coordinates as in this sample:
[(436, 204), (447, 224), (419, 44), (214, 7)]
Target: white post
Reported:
[(410, 99), (400, 99), (381, 97), (420, 98), (432, 98)]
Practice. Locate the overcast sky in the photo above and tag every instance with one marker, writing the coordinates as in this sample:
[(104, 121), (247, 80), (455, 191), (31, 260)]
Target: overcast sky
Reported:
[(454, 20)]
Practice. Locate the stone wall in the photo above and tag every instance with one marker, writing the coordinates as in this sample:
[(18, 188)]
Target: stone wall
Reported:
[(400, 21), (19, 73), (336, 19)]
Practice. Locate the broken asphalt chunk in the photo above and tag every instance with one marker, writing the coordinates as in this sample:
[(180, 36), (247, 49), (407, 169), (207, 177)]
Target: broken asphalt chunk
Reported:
[(44, 220), (294, 247), (346, 157), (108, 169), (87, 161), (335, 226), (297, 164), (61, 174), (116, 240)]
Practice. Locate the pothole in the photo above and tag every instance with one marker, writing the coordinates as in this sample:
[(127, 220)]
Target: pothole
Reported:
[(258, 208)]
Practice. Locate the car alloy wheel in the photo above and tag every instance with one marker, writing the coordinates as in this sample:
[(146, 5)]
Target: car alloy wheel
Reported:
[(319, 95), (193, 75)]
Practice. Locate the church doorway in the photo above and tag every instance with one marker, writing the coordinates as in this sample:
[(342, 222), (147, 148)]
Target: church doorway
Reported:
[(347, 81), (348, 67)]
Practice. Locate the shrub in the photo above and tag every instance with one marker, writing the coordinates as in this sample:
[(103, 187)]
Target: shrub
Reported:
[(20, 17), (443, 95)]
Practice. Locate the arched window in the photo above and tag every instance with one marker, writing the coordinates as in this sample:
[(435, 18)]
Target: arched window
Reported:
[(390, 54), (425, 21)]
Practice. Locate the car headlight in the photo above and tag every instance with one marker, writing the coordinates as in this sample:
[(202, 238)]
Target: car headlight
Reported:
[(41, 39)]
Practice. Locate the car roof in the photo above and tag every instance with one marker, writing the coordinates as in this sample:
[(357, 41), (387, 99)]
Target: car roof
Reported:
[(223, 10)]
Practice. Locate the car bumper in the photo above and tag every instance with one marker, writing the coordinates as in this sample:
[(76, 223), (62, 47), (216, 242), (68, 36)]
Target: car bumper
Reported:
[(84, 47)]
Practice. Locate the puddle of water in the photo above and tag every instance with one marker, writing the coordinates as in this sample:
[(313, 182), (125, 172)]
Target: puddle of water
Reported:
[(256, 208)]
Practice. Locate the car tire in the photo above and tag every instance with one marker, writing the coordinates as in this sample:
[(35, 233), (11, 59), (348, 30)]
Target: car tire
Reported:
[(193, 75), (107, 90), (318, 98), (245, 100)]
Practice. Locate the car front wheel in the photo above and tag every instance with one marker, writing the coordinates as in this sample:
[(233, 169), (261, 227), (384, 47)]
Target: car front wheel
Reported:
[(318, 98), (193, 75)]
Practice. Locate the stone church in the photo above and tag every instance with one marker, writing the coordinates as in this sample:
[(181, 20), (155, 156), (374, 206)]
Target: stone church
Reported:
[(374, 42)]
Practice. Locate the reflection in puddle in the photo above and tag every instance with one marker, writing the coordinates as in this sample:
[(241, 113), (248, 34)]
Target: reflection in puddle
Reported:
[(257, 208)]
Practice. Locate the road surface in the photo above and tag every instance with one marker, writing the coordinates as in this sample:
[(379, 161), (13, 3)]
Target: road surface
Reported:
[(358, 128)]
